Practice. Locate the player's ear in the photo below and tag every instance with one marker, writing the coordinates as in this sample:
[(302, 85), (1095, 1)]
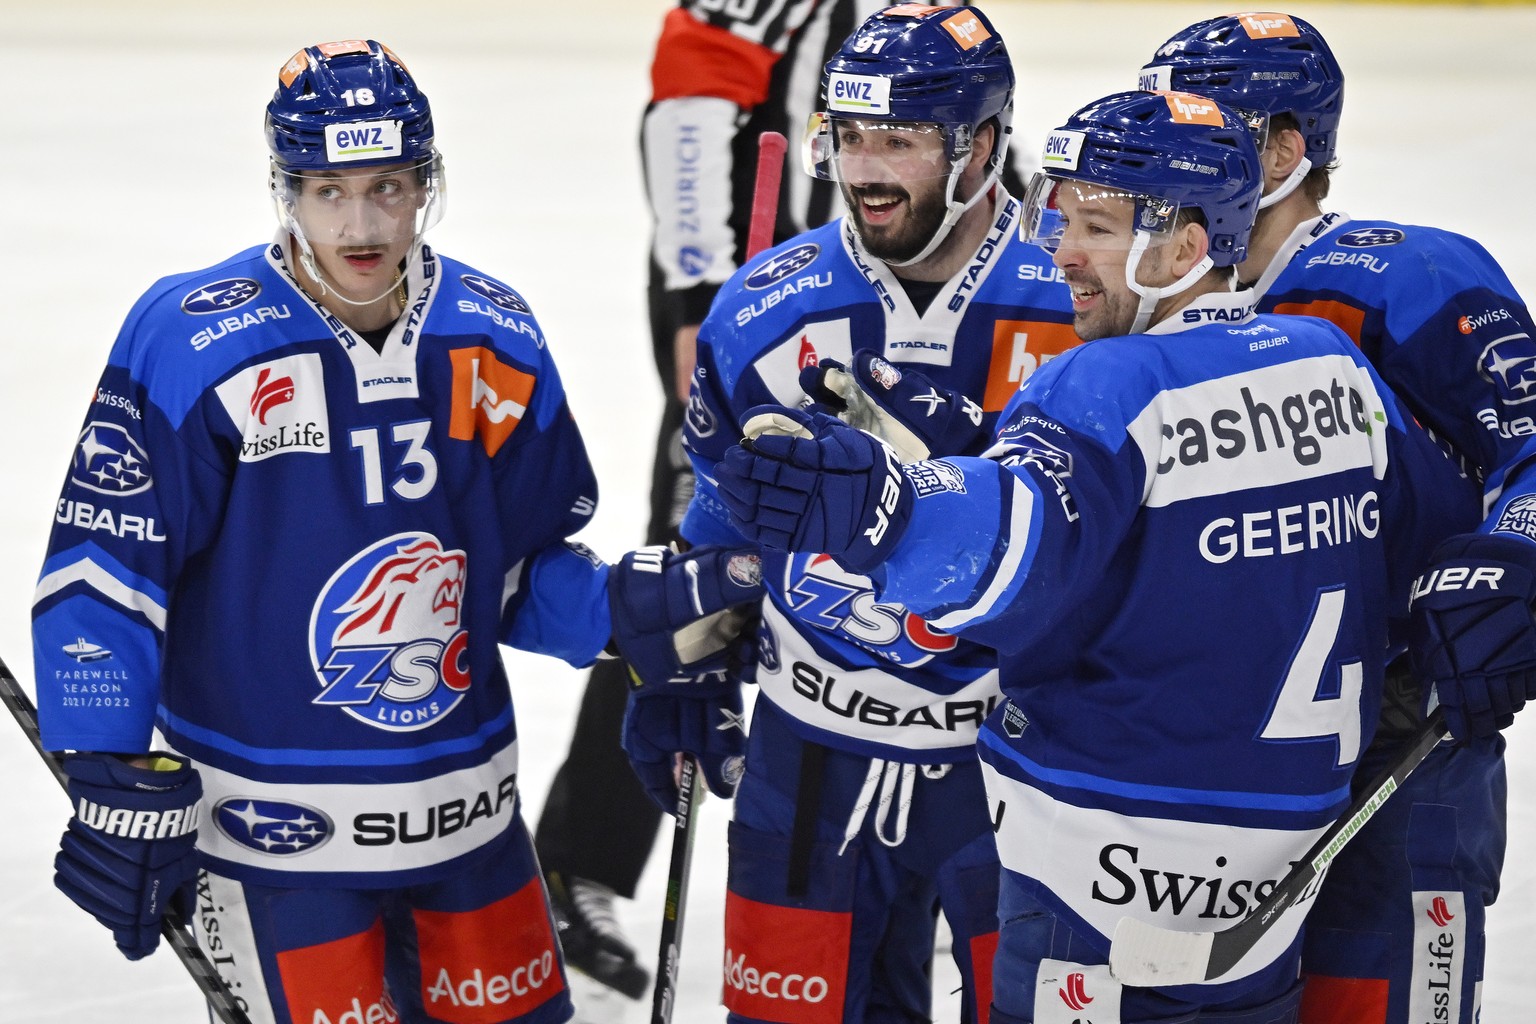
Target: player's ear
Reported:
[(1189, 245), (982, 146), (1282, 154)]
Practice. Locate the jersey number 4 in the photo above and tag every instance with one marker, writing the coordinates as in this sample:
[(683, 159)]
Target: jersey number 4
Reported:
[(1299, 712), (413, 473)]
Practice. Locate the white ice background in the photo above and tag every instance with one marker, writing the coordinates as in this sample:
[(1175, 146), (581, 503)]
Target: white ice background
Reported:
[(131, 148)]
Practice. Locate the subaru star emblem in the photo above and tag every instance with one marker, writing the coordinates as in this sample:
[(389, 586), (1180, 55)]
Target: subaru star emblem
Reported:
[(220, 296)]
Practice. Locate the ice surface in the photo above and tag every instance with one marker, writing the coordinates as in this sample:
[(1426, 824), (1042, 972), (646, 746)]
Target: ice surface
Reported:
[(132, 149)]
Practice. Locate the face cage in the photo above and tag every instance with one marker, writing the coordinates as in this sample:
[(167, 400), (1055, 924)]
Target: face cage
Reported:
[(287, 185)]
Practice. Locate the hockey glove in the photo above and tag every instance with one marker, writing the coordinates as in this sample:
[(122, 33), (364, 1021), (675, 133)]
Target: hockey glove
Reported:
[(900, 406), (687, 625), (677, 616), (808, 482), (703, 719), (130, 850), (1473, 639)]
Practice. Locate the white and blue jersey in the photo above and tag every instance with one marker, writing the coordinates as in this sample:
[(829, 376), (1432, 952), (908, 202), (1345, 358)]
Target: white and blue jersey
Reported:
[(849, 670), (1186, 544), (294, 557)]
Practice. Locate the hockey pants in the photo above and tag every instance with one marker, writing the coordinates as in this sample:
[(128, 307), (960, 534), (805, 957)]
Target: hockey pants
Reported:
[(1047, 973), (821, 929), (477, 947), (1396, 936)]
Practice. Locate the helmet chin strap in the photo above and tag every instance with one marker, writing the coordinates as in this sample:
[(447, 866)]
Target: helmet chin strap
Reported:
[(955, 210), (1289, 184), (1151, 296), (312, 267)]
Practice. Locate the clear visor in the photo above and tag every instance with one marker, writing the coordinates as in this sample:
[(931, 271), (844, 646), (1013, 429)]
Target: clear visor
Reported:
[(860, 152), (1065, 211), (368, 206)]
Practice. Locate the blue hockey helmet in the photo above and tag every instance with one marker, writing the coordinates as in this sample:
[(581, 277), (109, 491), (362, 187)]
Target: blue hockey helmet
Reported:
[(1165, 150), (1162, 153), (346, 104), (1262, 65), (353, 155), (921, 64)]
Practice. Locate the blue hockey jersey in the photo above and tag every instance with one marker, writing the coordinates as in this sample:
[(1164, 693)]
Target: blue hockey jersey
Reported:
[(1186, 544), (852, 671), (1442, 324), (294, 556)]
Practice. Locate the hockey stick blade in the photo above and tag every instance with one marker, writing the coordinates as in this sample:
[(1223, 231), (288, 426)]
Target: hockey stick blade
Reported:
[(1146, 955), (669, 955), (174, 927)]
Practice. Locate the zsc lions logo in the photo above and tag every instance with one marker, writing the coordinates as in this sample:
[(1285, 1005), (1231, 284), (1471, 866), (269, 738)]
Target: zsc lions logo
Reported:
[(498, 293), (220, 296), (385, 639), (1368, 238), (272, 826), (777, 268), (843, 603)]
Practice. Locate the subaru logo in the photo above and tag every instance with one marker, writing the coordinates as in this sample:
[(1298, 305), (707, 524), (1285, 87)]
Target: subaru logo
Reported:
[(497, 292), (220, 296), (109, 460), (272, 826), (1366, 238), (777, 268)]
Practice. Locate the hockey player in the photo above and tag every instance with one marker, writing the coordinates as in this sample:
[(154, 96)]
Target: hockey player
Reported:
[(1398, 932), (1186, 542), (721, 75), (316, 486), (862, 811)]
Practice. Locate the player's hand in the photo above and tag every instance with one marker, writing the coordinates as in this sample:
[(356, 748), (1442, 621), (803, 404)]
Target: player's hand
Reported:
[(1473, 638), (900, 406), (706, 723), (680, 616), (130, 850), (808, 482)]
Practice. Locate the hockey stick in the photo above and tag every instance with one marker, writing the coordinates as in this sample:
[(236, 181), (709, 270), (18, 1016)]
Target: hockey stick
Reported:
[(771, 147), (174, 927), (668, 959), (1146, 955)]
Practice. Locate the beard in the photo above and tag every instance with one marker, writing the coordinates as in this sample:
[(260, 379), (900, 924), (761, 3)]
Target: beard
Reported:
[(913, 228)]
